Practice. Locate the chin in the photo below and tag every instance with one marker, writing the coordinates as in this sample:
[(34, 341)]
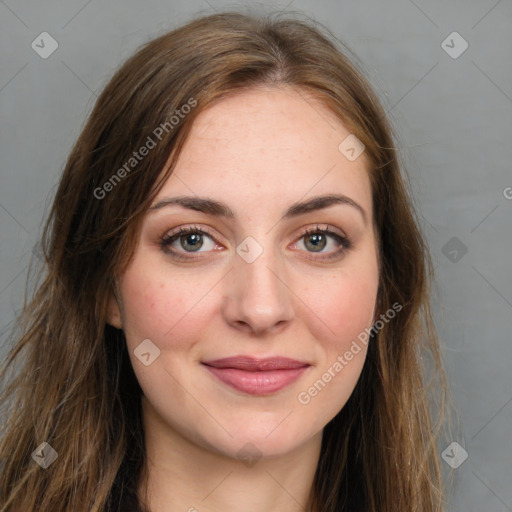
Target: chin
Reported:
[(250, 442)]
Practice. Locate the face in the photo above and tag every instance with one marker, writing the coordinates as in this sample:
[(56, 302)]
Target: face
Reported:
[(251, 302)]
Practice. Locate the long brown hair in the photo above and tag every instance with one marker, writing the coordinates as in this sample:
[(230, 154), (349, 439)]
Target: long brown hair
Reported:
[(75, 388)]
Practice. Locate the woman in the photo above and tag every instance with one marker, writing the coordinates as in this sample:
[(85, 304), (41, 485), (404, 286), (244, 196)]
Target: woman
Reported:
[(235, 302)]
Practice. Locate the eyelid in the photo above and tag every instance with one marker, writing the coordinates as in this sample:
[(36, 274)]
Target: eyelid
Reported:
[(322, 228), (174, 234)]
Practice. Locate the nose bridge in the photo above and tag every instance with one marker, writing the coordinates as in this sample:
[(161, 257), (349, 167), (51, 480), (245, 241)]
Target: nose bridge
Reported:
[(257, 295)]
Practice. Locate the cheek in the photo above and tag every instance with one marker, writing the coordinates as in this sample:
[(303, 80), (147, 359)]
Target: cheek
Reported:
[(353, 306), (162, 309), (346, 312), (347, 308)]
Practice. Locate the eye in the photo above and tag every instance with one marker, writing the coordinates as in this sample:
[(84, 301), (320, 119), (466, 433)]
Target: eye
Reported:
[(183, 243), (187, 240), (315, 240)]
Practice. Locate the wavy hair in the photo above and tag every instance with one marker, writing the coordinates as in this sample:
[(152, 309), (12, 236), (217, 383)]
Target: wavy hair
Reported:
[(74, 386)]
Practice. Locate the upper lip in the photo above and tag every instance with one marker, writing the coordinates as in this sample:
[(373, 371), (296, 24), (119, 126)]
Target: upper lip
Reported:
[(253, 364)]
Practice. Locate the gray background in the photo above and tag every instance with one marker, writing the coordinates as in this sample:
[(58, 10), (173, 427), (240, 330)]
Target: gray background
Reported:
[(453, 118)]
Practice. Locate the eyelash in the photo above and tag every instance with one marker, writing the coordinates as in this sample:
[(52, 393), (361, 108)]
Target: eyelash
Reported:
[(167, 240)]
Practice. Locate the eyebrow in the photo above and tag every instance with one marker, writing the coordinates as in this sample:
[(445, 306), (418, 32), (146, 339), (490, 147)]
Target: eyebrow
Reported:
[(218, 209)]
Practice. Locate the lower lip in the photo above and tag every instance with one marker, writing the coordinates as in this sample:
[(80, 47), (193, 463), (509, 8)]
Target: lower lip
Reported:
[(257, 383)]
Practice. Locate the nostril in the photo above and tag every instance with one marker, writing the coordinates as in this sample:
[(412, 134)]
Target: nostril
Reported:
[(243, 324)]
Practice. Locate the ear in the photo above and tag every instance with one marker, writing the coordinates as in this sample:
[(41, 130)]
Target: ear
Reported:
[(114, 312)]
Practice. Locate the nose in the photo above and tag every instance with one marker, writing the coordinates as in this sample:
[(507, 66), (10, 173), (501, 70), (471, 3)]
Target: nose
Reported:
[(257, 298)]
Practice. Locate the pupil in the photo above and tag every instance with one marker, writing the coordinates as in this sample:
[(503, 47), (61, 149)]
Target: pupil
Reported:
[(193, 241), (318, 242)]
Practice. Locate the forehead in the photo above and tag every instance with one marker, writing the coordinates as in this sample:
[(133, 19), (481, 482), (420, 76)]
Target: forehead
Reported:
[(276, 144)]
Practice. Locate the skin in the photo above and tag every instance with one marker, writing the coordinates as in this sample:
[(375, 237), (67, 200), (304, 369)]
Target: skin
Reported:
[(259, 152)]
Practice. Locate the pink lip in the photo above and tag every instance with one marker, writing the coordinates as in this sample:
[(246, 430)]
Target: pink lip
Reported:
[(257, 376)]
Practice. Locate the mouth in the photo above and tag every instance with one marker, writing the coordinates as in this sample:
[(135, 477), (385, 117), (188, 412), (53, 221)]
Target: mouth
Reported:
[(256, 376)]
